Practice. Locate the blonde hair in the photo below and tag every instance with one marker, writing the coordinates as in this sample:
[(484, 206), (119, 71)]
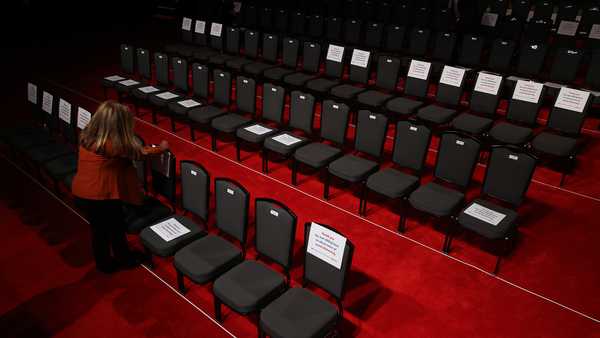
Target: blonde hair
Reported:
[(111, 124)]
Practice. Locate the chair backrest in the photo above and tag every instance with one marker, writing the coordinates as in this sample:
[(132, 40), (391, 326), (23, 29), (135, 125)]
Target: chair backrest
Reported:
[(443, 18), (352, 31), (543, 10), (232, 203), (501, 55), (195, 188), (373, 35), (511, 28), (394, 38), (200, 37), (421, 15), (508, 174), (388, 69), (291, 47), (251, 43), (232, 40), (322, 273), (164, 177), (520, 8), (311, 57), (593, 73), (200, 80), (566, 64), (334, 121), (186, 30), (143, 63), (569, 111), (302, 111), (403, 12), (127, 58), (456, 159), (417, 79), (266, 18), (531, 59), (297, 23), (486, 94), (418, 41), (161, 62), (371, 131), (245, 94), (270, 47), (222, 80), (216, 35), (273, 102), (443, 49), (451, 85), (275, 231), (471, 50), (281, 20), (537, 30), (180, 74), (334, 29), (526, 102), (316, 26), (250, 13), (384, 12), (334, 61), (411, 145), (360, 66)]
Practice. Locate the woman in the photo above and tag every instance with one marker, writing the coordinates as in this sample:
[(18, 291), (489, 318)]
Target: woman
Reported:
[(106, 179)]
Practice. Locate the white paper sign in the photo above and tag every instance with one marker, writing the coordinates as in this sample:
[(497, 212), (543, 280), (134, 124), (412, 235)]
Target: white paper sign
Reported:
[(32, 93), (286, 139), (452, 76), (572, 99), (567, 28), (189, 103), (489, 19), (114, 78), (64, 110), (335, 53), (129, 83), (83, 118), (186, 24), (200, 27), (47, 102), (484, 214), (419, 69), (488, 83), (148, 89), (215, 29), (167, 95), (595, 32), (258, 129), (360, 58), (326, 245), (169, 229), (528, 91)]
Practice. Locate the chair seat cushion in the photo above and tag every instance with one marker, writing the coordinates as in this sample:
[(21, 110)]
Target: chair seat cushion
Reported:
[(204, 114), (138, 217), (511, 134), (251, 137), (229, 123), (403, 105), (203, 54), (207, 258), (48, 152), (277, 73), (283, 149), (158, 246), (137, 93), (346, 91), (321, 85), (317, 155), (436, 200), (61, 166), (352, 168), (257, 68), (220, 59), (180, 110), (472, 124), (298, 79), (248, 286), (237, 63), (121, 88), (160, 102), (392, 183), (553, 144), (373, 98), (436, 114), (485, 229), (110, 83), (298, 313)]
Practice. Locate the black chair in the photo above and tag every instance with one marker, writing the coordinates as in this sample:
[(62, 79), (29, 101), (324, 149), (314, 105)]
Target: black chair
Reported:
[(127, 68), (311, 60), (521, 115), (557, 143), (374, 36), (294, 311), (290, 49), (418, 41), (592, 78), (416, 86), (471, 51), (250, 286), (302, 112), (270, 48), (215, 44), (456, 160), (394, 39), (144, 73), (210, 256), (161, 100), (388, 69), (142, 94), (506, 181), (179, 108), (231, 49), (281, 21), (501, 55), (443, 50), (531, 59), (333, 31), (202, 116), (250, 52), (371, 131), (537, 30), (449, 92), (360, 70), (564, 69), (334, 68), (315, 26), (352, 31), (334, 125), (411, 146)]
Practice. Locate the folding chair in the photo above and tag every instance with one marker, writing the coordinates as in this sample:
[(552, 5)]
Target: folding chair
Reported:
[(215, 43), (294, 311), (142, 94), (180, 108), (493, 214), (209, 257), (456, 160), (371, 131), (360, 70), (270, 48), (161, 100), (250, 52), (231, 49), (184, 47), (388, 69), (449, 92), (202, 116), (251, 285), (415, 87), (127, 69), (334, 68), (311, 60), (334, 125), (302, 112), (144, 73), (291, 49)]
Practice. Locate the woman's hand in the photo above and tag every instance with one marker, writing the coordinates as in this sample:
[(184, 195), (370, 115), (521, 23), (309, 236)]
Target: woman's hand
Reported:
[(164, 145)]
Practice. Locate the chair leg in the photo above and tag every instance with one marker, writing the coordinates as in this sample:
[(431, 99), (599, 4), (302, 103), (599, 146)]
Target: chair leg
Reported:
[(266, 161), (172, 124), (294, 172), (261, 333), (213, 140), (192, 134), (217, 308), (402, 220), (238, 145), (149, 258), (154, 119), (362, 209), (180, 283), (562, 178), (326, 185)]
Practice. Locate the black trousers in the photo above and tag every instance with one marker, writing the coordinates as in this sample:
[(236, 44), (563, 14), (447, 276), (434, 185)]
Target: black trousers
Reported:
[(107, 223)]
